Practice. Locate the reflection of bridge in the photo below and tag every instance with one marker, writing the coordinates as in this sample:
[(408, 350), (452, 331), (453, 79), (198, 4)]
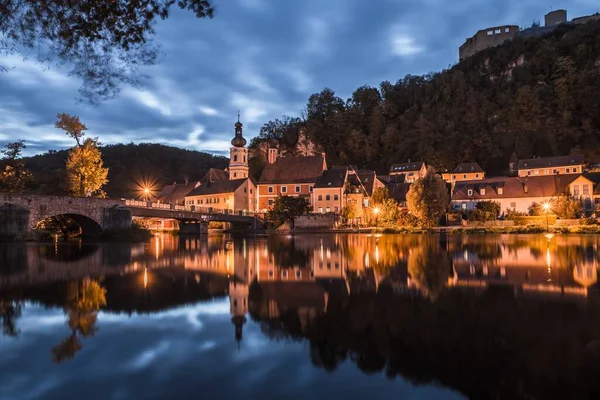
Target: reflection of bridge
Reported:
[(25, 211)]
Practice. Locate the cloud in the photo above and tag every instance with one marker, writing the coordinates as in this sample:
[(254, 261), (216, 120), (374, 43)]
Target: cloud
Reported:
[(404, 46)]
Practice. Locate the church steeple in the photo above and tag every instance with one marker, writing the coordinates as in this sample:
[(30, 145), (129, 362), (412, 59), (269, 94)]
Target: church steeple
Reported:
[(238, 154)]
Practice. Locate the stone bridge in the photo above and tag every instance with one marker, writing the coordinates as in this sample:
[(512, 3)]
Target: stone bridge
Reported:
[(21, 213)]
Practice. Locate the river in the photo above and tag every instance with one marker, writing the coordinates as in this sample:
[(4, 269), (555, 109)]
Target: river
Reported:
[(304, 316)]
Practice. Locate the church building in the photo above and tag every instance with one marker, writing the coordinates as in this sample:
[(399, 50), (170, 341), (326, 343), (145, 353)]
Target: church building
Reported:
[(232, 190)]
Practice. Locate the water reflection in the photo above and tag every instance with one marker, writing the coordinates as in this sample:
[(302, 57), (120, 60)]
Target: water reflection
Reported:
[(507, 311)]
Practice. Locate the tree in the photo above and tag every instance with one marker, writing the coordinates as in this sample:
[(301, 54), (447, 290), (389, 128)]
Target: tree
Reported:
[(427, 198), (15, 175), (85, 172), (351, 212), (71, 125), (105, 42), (388, 213), (485, 211), (285, 208), (380, 195), (567, 207)]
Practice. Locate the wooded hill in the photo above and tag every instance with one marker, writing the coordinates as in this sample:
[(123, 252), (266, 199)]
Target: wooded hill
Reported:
[(535, 96), (129, 166)]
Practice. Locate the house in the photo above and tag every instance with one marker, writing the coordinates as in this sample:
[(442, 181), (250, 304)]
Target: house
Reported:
[(328, 192), (541, 166), (513, 193), (411, 171), (233, 190), (175, 193), (398, 191), (360, 186), (465, 172), (586, 187), (288, 176)]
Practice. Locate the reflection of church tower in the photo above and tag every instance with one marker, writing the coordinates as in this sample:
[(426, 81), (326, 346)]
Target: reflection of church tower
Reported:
[(238, 306), (238, 154)]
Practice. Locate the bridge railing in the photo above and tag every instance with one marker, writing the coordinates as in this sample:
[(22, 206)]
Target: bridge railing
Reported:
[(189, 208)]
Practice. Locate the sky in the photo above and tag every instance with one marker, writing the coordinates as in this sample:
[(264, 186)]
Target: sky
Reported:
[(261, 57)]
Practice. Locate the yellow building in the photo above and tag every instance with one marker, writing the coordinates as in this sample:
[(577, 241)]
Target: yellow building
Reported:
[(465, 172), (562, 165), (411, 171), (328, 192)]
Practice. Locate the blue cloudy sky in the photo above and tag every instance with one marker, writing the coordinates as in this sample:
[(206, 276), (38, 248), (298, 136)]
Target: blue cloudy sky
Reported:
[(263, 57)]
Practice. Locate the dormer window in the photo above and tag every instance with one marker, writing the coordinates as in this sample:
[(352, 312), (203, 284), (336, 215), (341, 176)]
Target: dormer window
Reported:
[(470, 192), (500, 190), (482, 192)]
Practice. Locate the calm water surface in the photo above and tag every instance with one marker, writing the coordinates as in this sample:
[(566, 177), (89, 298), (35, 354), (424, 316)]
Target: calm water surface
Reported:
[(307, 316)]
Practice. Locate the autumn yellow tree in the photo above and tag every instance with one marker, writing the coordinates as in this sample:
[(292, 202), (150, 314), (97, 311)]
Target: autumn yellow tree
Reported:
[(15, 175), (86, 174)]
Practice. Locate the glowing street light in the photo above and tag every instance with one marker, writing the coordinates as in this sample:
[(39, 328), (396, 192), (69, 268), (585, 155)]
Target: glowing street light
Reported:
[(546, 207), (376, 211)]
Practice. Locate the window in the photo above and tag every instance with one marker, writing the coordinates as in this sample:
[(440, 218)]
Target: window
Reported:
[(575, 190), (336, 197), (337, 265), (476, 175), (270, 202), (568, 170), (250, 190), (328, 210), (574, 170), (245, 190), (465, 176), (506, 30), (513, 205), (284, 274), (470, 192), (453, 176), (497, 31), (528, 173), (537, 171), (321, 210), (270, 189), (328, 264), (546, 172), (490, 33), (320, 197), (482, 192), (500, 190), (284, 189), (463, 206), (310, 188), (297, 189), (235, 157), (235, 174), (327, 197), (271, 274), (586, 189), (298, 274), (244, 158)]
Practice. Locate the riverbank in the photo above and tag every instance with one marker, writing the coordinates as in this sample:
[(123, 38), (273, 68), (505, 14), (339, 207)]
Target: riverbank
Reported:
[(586, 229)]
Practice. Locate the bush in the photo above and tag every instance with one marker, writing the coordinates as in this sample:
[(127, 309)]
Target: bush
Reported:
[(512, 214), (405, 218), (484, 211), (588, 221)]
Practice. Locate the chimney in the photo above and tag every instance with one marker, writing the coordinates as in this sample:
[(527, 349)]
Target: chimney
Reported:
[(273, 154)]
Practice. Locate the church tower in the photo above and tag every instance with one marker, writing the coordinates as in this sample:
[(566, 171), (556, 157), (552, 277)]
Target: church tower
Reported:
[(238, 154)]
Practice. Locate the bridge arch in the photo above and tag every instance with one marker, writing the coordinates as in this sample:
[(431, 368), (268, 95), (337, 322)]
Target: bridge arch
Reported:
[(86, 225)]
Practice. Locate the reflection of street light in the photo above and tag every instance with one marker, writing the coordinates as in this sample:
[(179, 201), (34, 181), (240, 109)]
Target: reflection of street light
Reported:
[(546, 207)]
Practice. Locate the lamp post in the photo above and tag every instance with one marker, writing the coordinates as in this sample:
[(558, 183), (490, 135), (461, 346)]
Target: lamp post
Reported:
[(546, 207), (376, 211), (147, 193)]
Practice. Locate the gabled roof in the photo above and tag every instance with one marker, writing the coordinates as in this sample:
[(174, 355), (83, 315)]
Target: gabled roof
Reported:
[(466, 168), (367, 178), (214, 175), (398, 190), (218, 187), (550, 162), (176, 192), (332, 178), (294, 170), (407, 167), (513, 187)]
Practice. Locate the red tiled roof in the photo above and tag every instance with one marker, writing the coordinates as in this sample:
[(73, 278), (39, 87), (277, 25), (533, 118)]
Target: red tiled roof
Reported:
[(218, 187), (294, 170), (214, 175), (513, 187), (550, 162), (407, 167), (467, 168)]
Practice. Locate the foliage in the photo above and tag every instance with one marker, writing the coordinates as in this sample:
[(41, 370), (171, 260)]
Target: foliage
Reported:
[(427, 198), (588, 221), (15, 176), (351, 211), (71, 125), (10, 311), (512, 214), (406, 219), (105, 42), (567, 207), (535, 209), (130, 165), (380, 195), (485, 211), (285, 208), (389, 213), (535, 220), (481, 109), (85, 172)]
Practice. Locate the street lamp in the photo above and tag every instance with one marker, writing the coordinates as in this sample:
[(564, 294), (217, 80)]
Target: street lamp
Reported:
[(376, 211), (147, 193), (546, 207)]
